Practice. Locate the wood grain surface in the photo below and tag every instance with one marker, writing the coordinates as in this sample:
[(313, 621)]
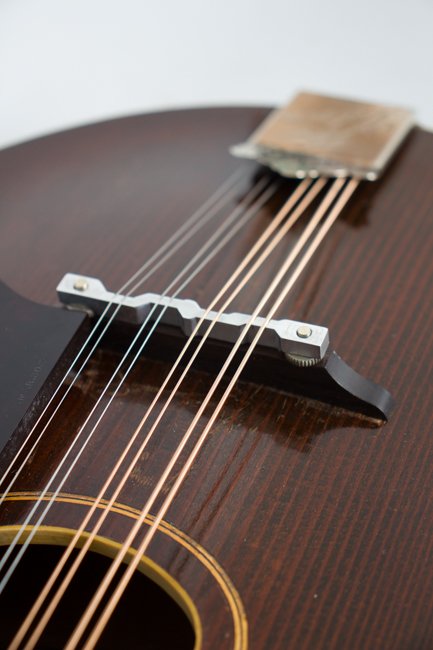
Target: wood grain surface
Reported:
[(300, 525)]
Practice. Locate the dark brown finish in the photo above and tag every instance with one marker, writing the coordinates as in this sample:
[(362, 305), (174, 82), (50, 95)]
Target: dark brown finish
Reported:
[(322, 519)]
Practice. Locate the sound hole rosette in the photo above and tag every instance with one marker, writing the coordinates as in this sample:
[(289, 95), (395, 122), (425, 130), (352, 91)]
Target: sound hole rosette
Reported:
[(215, 577)]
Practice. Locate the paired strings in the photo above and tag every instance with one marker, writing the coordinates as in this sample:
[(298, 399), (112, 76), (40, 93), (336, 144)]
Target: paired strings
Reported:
[(324, 206), (317, 189), (251, 196), (114, 599), (188, 229), (119, 558), (271, 228)]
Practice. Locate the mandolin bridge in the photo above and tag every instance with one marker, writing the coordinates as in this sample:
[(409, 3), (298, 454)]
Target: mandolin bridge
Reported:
[(39, 343), (315, 371), (288, 336)]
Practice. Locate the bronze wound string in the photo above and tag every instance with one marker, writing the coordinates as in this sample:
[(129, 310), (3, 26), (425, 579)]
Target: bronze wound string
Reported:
[(100, 625), (214, 203), (325, 204), (238, 210), (290, 203)]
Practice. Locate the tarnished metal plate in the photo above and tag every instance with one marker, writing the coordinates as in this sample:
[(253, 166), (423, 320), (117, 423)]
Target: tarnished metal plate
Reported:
[(316, 135)]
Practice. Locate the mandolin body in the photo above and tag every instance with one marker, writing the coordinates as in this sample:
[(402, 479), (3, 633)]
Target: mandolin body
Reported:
[(301, 525)]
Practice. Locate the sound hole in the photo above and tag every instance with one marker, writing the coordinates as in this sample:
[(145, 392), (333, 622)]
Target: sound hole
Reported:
[(146, 618)]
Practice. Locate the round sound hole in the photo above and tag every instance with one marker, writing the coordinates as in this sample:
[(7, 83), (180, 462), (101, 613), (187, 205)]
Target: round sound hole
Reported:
[(146, 617)]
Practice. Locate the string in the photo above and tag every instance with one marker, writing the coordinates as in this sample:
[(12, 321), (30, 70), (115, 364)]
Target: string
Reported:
[(290, 203), (103, 619), (216, 198), (251, 195), (71, 572)]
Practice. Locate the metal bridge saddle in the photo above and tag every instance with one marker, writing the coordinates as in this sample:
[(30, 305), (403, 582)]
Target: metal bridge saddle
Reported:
[(291, 356), (38, 343)]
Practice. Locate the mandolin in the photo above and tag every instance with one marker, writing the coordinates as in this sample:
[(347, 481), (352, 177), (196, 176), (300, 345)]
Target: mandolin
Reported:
[(286, 505)]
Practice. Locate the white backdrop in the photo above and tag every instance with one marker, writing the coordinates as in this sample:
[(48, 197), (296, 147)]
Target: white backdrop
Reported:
[(69, 62)]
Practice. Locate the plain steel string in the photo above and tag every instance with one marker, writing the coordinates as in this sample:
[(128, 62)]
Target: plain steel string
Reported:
[(251, 195), (102, 621), (265, 235), (180, 243), (256, 190), (72, 570), (238, 210), (120, 556), (216, 198)]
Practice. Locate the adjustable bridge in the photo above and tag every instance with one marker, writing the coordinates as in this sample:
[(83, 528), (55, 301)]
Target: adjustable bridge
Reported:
[(288, 336), (314, 371), (39, 343)]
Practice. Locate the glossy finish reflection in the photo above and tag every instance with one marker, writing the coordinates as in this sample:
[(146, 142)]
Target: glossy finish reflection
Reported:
[(321, 519)]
